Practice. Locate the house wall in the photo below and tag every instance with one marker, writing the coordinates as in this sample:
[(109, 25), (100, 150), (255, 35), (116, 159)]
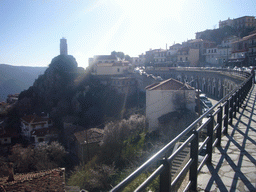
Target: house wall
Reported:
[(84, 152), (193, 57), (26, 128), (110, 70), (160, 102)]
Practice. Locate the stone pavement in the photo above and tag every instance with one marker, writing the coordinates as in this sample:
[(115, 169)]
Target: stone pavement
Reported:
[(233, 165)]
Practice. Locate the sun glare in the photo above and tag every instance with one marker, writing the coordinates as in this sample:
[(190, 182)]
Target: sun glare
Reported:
[(151, 11)]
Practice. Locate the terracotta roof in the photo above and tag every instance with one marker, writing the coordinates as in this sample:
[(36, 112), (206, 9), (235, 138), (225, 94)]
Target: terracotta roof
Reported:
[(249, 36), (34, 118), (94, 135), (51, 180), (169, 84)]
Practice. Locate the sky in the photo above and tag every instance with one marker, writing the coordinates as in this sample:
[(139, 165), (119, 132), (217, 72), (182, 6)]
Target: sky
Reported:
[(31, 29)]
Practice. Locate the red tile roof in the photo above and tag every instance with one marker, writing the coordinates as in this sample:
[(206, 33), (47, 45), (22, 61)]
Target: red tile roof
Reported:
[(51, 180), (169, 84), (34, 118)]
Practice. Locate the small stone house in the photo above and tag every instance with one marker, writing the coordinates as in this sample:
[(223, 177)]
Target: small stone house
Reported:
[(87, 143)]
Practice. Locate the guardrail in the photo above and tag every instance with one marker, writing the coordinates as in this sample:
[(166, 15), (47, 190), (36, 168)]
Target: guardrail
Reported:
[(160, 164)]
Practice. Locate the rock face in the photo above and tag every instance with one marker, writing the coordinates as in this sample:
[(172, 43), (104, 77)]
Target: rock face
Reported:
[(53, 88), (64, 91)]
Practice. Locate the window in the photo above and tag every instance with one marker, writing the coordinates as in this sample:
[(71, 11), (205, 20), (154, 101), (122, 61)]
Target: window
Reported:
[(118, 70)]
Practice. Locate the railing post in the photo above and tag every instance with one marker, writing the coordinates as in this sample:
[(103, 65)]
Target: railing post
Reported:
[(165, 176), (235, 103), (193, 166), (219, 121), (231, 108), (210, 135), (240, 92), (226, 117)]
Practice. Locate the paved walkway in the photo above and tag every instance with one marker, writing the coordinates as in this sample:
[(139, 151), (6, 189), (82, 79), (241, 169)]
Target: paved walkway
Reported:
[(234, 163)]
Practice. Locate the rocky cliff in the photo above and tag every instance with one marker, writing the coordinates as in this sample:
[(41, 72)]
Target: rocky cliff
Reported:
[(53, 87)]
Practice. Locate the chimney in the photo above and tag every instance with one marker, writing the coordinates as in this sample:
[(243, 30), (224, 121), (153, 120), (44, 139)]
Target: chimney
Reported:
[(10, 172)]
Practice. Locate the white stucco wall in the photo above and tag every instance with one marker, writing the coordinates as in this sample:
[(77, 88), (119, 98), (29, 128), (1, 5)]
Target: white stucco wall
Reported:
[(110, 70), (160, 102)]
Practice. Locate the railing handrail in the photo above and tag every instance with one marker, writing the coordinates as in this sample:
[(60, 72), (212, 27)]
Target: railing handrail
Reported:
[(160, 154)]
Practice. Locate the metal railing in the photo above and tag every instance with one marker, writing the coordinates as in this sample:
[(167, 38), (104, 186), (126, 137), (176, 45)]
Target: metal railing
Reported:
[(219, 117)]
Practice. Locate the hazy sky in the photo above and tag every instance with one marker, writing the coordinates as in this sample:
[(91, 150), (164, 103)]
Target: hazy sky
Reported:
[(31, 29)]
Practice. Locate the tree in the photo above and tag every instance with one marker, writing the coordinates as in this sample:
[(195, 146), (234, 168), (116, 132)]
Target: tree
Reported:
[(118, 136), (44, 156), (128, 58), (118, 54), (93, 177)]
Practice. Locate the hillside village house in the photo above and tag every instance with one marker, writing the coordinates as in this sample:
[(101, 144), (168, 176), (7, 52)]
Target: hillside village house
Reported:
[(7, 136), (240, 22), (116, 68), (124, 85), (165, 97), (188, 57), (138, 61), (102, 59), (36, 127), (87, 142), (108, 65)]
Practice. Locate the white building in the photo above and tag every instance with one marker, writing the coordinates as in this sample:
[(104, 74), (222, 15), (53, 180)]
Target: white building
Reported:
[(102, 59), (165, 97), (211, 55), (116, 68), (36, 126), (139, 61)]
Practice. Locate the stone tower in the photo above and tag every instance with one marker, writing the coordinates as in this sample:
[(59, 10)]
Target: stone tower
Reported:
[(63, 46)]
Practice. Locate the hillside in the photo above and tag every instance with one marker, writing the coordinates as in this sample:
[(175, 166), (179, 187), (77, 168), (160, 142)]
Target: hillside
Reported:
[(14, 79)]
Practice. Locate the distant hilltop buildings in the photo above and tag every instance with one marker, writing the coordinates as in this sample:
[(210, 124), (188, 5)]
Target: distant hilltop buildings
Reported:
[(212, 48), (241, 22)]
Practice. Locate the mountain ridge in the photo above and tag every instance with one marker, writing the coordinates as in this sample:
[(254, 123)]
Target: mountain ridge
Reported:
[(14, 79)]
